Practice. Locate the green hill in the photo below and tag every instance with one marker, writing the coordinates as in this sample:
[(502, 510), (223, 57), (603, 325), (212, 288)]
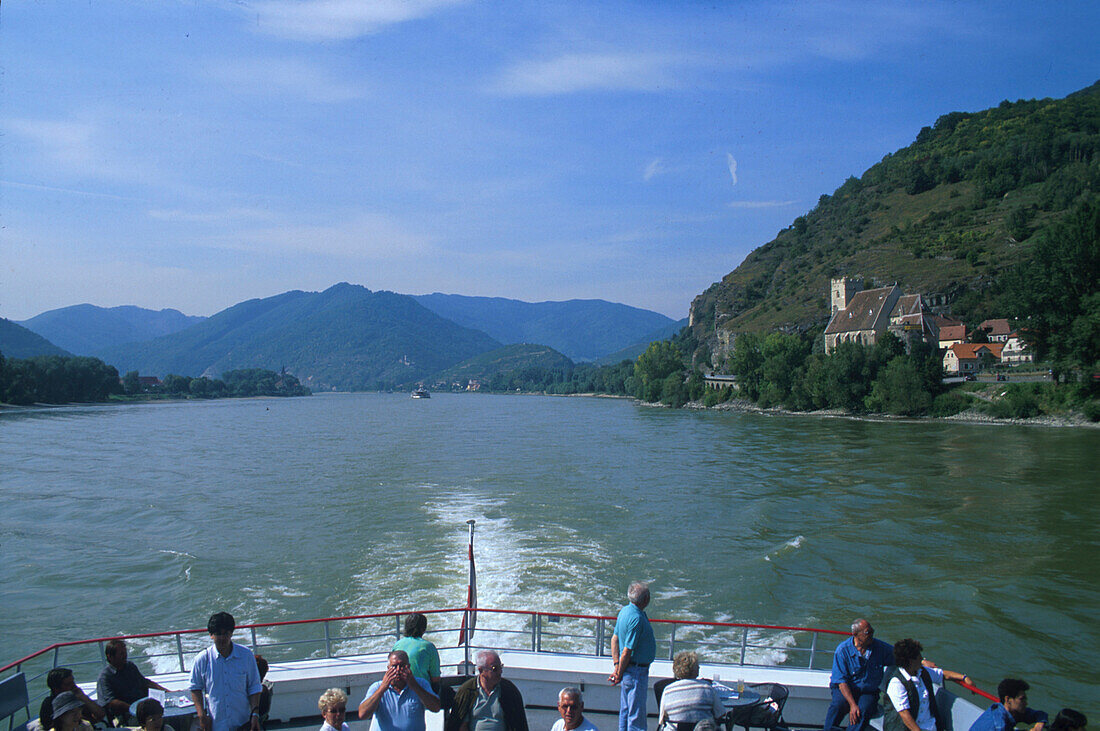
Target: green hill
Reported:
[(945, 217), (17, 341), (345, 337), (583, 330), (507, 360), (87, 328)]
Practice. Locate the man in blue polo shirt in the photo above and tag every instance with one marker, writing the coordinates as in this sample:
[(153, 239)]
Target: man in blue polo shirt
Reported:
[(633, 648), (225, 682), (397, 701), (1011, 710), (858, 666)]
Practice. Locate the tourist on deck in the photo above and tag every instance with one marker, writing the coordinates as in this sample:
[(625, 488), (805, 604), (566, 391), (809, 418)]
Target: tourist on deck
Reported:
[(68, 709), (423, 657), (488, 702), (121, 683), (858, 666), (225, 681), (1069, 720), (397, 701), (267, 689), (149, 715), (633, 648), (1011, 710), (60, 680), (571, 708), (334, 708), (688, 699), (910, 697)]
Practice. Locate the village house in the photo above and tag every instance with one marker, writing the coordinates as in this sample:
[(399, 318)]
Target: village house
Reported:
[(964, 358), (998, 331), (1015, 350), (951, 334), (863, 315)]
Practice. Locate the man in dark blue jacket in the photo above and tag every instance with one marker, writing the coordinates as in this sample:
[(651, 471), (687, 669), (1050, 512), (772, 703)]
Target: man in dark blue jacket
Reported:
[(1011, 710)]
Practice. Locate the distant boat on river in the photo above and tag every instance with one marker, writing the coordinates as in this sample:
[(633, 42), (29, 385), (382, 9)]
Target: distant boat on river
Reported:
[(421, 392)]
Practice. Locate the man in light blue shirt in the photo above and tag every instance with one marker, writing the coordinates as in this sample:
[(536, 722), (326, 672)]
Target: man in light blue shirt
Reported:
[(633, 648), (397, 701), (225, 682)]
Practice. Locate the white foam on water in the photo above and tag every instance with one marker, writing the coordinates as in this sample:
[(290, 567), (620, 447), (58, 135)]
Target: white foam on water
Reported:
[(182, 554), (790, 545)]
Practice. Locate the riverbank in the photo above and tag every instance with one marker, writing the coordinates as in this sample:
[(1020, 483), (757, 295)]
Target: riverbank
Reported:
[(971, 416)]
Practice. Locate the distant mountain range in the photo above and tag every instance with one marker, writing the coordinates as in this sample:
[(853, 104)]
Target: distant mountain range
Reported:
[(347, 337), (87, 328), (17, 341), (583, 330)]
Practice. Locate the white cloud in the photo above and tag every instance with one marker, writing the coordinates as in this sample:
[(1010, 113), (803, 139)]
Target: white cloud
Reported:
[(760, 204), (732, 166), (325, 20), (279, 77), (229, 214), (64, 141), (653, 169), (578, 72)]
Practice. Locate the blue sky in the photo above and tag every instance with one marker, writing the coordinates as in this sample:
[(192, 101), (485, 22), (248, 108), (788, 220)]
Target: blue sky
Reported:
[(193, 154)]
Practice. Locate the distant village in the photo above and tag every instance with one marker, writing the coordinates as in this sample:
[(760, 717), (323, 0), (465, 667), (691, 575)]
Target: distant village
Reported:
[(864, 315)]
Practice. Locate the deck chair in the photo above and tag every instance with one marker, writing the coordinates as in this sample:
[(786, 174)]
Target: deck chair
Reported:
[(13, 697), (768, 713)]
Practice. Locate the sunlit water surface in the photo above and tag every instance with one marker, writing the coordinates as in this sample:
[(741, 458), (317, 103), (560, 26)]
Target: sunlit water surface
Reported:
[(981, 541)]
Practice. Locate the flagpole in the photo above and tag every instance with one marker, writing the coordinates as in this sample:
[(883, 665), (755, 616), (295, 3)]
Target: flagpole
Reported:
[(468, 619)]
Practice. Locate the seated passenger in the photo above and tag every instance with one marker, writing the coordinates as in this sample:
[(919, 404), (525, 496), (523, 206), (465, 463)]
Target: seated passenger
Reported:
[(571, 708), (268, 689), (1011, 710), (1069, 720), (60, 680), (910, 698), (334, 707), (488, 702), (121, 683), (149, 715), (423, 657), (67, 711), (688, 699), (397, 701), (858, 665)]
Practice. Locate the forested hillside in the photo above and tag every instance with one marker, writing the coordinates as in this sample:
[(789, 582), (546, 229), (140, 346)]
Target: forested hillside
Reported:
[(946, 216), (84, 329), (17, 341), (345, 337)]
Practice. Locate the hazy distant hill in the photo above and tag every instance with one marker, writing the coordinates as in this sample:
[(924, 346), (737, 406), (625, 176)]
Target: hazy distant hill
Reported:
[(17, 341), (631, 352), (508, 359), (947, 215), (583, 330), (345, 337), (84, 329)]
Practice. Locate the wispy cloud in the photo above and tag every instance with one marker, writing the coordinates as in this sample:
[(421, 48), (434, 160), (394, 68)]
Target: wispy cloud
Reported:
[(760, 204), (327, 20), (732, 166), (223, 216), (71, 191), (65, 141), (653, 169), (281, 77), (580, 72), (364, 237)]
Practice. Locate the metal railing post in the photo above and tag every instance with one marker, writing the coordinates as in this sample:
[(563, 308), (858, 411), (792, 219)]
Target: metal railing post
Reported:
[(179, 651), (253, 631), (397, 629), (813, 650), (56, 651), (744, 643), (534, 632), (672, 643), (328, 641), (599, 638)]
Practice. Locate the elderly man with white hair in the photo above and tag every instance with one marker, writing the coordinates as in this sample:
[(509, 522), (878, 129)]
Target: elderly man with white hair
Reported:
[(571, 708), (487, 702), (633, 648)]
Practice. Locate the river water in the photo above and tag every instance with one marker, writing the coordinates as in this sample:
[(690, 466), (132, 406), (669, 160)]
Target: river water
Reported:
[(981, 541)]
